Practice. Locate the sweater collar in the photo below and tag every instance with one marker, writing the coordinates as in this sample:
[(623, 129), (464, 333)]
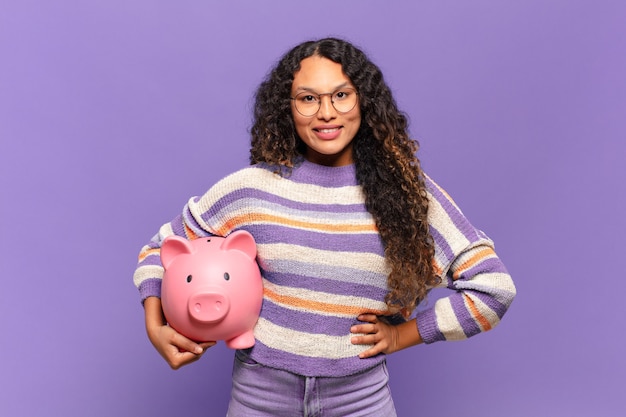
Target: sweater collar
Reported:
[(323, 175)]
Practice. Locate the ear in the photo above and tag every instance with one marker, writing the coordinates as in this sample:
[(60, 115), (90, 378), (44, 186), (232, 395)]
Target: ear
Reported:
[(241, 241), (172, 247)]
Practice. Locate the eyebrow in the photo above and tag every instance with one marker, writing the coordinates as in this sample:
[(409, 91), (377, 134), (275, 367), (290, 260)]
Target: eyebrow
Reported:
[(305, 88)]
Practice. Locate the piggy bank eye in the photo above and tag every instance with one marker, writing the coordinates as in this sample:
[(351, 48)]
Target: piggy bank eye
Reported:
[(226, 276), (189, 278)]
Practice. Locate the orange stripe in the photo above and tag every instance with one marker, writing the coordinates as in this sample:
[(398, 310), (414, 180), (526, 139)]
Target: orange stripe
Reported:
[(317, 305), (484, 253), (273, 219), (437, 269), (484, 323), (189, 233), (144, 255)]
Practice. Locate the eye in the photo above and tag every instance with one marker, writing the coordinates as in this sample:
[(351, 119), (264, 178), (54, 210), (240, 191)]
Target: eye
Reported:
[(307, 98), (226, 276), (189, 278), (341, 95)]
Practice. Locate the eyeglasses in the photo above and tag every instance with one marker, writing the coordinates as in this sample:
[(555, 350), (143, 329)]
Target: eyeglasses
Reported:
[(308, 103)]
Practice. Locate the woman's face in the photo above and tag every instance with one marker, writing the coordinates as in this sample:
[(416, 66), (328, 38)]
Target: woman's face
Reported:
[(327, 134)]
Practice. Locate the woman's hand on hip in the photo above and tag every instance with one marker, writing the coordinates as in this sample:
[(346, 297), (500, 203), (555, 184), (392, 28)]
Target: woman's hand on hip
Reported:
[(385, 338)]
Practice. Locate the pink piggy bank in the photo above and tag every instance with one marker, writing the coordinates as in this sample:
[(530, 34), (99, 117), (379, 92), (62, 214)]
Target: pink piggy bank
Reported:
[(212, 288)]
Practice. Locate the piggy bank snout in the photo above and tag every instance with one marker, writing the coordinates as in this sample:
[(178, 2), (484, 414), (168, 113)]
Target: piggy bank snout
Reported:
[(208, 306)]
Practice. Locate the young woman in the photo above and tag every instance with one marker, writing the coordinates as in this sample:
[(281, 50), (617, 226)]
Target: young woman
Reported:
[(351, 235)]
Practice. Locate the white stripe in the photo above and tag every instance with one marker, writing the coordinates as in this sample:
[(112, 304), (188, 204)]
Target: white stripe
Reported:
[(265, 207), (441, 221), (489, 282), (266, 181), (146, 272), (359, 260), (165, 231), (365, 304), (447, 322), (307, 344), (345, 274)]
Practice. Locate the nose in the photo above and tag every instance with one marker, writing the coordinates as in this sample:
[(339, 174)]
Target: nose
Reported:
[(208, 307), (327, 110)]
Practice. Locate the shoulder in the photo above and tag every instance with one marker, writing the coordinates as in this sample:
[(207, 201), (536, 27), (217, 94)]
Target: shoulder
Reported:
[(233, 186), (247, 177), (442, 207), (438, 195), (451, 231)]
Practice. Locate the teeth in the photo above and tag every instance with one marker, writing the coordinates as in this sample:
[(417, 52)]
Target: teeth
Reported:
[(328, 130)]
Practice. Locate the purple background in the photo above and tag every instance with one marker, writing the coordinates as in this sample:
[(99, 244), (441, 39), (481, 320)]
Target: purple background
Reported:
[(113, 112)]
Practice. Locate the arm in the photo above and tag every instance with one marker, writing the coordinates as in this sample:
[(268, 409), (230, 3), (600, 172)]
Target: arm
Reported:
[(200, 217), (466, 261), (176, 349), (483, 291)]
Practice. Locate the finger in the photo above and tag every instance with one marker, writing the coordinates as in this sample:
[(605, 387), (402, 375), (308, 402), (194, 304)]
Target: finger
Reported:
[(368, 339), (371, 318), (373, 351), (364, 328), (179, 359), (206, 345), (187, 345), (377, 343)]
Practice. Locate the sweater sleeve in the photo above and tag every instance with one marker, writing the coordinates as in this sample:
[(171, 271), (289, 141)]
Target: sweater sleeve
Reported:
[(149, 271), (214, 213), (467, 264)]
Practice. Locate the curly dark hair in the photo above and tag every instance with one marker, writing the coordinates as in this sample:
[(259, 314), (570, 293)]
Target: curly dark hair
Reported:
[(384, 156)]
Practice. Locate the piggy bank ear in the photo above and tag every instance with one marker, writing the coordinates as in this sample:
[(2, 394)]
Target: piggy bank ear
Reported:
[(241, 241), (172, 247)]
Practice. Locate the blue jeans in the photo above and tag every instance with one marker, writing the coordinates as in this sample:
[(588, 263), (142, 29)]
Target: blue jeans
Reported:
[(259, 391)]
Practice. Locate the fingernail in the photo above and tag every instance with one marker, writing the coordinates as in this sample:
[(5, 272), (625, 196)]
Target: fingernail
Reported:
[(198, 350)]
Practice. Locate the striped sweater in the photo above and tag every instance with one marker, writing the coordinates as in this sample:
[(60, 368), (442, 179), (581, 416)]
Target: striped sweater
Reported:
[(322, 264)]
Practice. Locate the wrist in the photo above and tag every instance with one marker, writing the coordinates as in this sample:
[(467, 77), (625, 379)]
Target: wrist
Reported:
[(408, 334), (153, 313)]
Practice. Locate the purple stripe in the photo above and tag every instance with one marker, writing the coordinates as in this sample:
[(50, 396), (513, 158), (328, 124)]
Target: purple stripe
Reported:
[(307, 366), (463, 315), (325, 176), (427, 326), (177, 224), (488, 265), (457, 217), (491, 300), (154, 242), (306, 321), (150, 288), (190, 221), (442, 244), (275, 201), (325, 285), (340, 242), (154, 259)]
